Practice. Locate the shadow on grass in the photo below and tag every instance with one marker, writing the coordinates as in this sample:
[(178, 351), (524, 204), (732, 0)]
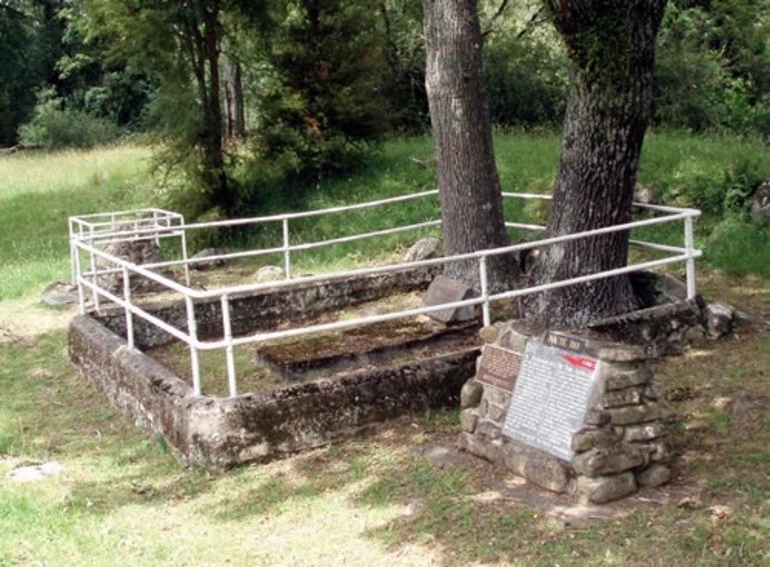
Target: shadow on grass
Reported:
[(448, 508), (50, 413)]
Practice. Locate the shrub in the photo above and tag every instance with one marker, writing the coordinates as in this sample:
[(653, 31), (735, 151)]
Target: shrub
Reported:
[(526, 82), (54, 127)]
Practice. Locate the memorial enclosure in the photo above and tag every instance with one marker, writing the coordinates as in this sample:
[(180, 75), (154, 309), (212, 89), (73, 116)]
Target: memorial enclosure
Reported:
[(236, 372)]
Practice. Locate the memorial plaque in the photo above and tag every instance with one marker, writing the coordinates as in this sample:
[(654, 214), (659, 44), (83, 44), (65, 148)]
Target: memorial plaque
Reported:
[(552, 394), (446, 290), (498, 367)]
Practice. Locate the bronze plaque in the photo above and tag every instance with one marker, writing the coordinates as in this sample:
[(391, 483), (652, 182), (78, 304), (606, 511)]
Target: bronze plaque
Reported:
[(498, 367), (446, 290)]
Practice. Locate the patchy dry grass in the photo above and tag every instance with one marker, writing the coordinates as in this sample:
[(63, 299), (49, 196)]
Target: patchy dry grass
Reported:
[(397, 497)]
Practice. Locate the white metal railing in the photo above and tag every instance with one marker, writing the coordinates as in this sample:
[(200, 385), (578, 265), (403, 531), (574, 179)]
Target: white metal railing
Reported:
[(88, 233)]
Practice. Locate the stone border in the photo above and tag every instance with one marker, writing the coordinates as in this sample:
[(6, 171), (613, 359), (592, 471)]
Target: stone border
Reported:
[(266, 308), (220, 433)]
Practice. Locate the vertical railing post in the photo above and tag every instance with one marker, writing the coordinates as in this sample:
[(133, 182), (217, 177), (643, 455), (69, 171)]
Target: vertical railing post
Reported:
[(73, 275), (690, 248), (184, 254), (286, 251), (192, 330), (129, 313), (483, 279), (78, 276), (229, 354), (94, 271)]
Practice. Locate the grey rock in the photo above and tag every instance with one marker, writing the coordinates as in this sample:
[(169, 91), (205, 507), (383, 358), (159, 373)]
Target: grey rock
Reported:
[(468, 419), (645, 432), (632, 415), (620, 377), (621, 353), (491, 451), (597, 417), (607, 460), (489, 334), (496, 413), (35, 472), (627, 397), (606, 489), (470, 395), (513, 339), (643, 194), (719, 319), (423, 249), (654, 475), (587, 439), (658, 288), (536, 466), (740, 406), (207, 259), (268, 274), (652, 392), (58, 294), (495, 396), (140, 251), (446, 290), (657, 451), (489, 429)]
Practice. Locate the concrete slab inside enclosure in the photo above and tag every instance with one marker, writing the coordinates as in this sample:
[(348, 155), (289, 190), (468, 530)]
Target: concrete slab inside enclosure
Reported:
[(219, 433)]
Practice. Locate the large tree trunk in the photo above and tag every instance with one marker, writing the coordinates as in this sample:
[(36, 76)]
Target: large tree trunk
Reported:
[(236, 118), (612, 47), (201, 19), (469, 187)]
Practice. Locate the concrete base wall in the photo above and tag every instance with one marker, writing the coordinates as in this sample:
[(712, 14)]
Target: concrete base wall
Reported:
[(219, 433), (265, 309)]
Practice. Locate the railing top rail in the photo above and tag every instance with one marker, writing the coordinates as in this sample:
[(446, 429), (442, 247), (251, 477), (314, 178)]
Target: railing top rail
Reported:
[(306, 214), (205, 294), (124, 213)]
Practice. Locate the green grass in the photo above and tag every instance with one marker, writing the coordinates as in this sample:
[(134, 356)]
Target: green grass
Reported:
[(368, 501), (40, 191)]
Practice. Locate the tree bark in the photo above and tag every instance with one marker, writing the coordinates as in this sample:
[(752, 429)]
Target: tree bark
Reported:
[(236, 119), (469, 186), (612, 47)]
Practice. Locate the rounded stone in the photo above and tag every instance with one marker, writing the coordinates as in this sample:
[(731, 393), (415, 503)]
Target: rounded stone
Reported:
[(654, 475), (489, 334), (268, 274), (470, 394), (468, 419), (606, 488), (423, 249)]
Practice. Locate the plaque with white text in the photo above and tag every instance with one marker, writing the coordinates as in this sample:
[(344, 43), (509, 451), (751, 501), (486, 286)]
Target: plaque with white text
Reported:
[(551, 396)]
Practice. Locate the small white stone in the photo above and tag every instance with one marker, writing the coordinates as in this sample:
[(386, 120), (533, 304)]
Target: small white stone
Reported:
[(35, 472)]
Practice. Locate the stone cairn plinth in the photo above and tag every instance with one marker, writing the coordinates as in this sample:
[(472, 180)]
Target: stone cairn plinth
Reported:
[(620, 446)]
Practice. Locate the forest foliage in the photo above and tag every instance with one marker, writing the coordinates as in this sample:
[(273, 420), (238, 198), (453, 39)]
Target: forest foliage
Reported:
[(244, 98)]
